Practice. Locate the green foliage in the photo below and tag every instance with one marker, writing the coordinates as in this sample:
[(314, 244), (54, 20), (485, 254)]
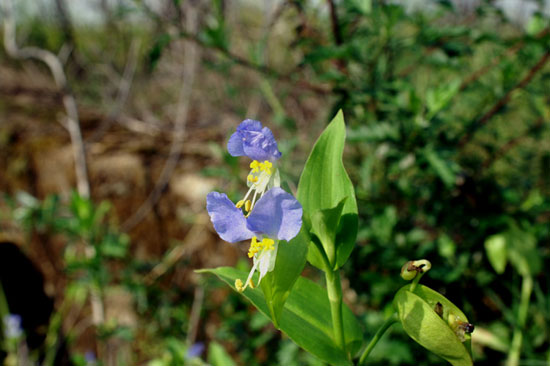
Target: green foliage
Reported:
[(277, 284), (416, 313), (305, 317), (327, 195), (218, 357), (447, 153)]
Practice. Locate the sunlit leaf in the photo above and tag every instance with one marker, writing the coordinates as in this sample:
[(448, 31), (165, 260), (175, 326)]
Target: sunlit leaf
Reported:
[(495, 246), (305, 317), (324, 184), (277, 284), (430, 329)]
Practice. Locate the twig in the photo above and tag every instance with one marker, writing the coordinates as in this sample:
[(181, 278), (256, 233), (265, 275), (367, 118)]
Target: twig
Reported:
[(122, 94), (504, 99), (56, 68), (175, 253), (189, 68), (510, 144), (495, 61), (259, 68), (269, 72), (195, 316), (336, 32)]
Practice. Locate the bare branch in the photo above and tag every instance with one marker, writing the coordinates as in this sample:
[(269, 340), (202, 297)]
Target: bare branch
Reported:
[(56, 68), (335, 23), (504, 149), (191, 53), (241, 61), (504, 99), (123, 91)]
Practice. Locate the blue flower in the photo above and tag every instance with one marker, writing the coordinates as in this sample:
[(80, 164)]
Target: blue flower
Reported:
[(91, 359), (254, 141), (195, 350), (12, 326), (277, 214)]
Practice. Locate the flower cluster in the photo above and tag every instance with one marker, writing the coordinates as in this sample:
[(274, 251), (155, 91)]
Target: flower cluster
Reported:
[(267, 213)]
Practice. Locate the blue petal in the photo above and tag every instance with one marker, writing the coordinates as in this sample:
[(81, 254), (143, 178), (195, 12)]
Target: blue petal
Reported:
[(277, 214), (254, 141), (228, 220), (249, 125), (235, 144)]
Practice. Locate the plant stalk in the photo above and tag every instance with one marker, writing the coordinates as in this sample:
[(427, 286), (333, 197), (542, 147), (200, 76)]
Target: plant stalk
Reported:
[(334, 288), (517, 339), (388, 323)]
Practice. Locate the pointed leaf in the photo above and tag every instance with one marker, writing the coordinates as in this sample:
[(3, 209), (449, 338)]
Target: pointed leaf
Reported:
[(324, 184), (277, 284), (324, 225), (523, 253), (305, 317)]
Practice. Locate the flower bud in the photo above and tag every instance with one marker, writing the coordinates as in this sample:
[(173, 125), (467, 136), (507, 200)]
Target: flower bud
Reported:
[(435, 323), (412, 268)]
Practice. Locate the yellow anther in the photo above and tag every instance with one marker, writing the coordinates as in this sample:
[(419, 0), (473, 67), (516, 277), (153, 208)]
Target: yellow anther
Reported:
[(252, 178), (240, 204), (251, 284), (266, 166), (254, 247), (254, 166), (239, 285), (247, 205), (267, 244)]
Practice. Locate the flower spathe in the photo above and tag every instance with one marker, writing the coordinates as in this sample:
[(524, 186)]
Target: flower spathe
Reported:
[(255, 141)]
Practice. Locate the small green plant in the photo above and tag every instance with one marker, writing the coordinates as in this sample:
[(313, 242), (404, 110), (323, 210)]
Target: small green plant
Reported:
[(319, 227)]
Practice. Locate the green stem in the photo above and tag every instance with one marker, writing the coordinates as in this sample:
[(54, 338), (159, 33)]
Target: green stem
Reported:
[(334, 288), (388, 323), (517, 339)]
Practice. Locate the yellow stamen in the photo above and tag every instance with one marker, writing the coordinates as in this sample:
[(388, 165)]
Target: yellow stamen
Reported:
[(266, 166), (240, 204), (254, 247), (254, 166), (268, 244), (247, 205), (239, 285), (251, 284)]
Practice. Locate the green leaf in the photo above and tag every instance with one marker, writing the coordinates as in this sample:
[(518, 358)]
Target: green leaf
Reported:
[(217, 356), (432, 331), (445, 169), (523, 253), (323, 185), (495, 246), (324, 225), (439, 97), (305, 317), (277, 284)]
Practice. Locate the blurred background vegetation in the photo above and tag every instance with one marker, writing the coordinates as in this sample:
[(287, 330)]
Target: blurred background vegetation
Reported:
[(447, 105)]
